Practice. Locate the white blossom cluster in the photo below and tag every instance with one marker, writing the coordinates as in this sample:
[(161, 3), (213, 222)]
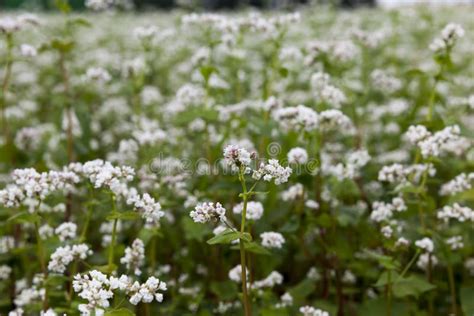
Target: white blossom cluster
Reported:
[(293, 192), (445, 140), (382, 211), (274, 278), (66, 230), (449, 36), (425, 244), (325, 92), (272, 171), (238, 157), (208, 212), (297, 155), (63, 256), (457, 212), (97, 289), (397, 173), (10, 25), (146, 205), (460, 183), (254, 210), (455, 242), (311, 311), (272, 240), (134, 256)]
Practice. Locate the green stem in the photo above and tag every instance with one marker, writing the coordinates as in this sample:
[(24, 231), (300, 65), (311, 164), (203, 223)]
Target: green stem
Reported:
[(409, 265), (42, 259), (114, 233), (452, 289), (246, 302)]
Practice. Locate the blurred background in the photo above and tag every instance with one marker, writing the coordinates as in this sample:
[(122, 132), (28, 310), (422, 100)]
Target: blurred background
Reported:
[(226, 4)]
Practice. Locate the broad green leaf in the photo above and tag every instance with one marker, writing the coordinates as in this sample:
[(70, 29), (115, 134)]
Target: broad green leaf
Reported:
[(227, 236), (253, 247), (411, 286), (24, 217), (120, 312)]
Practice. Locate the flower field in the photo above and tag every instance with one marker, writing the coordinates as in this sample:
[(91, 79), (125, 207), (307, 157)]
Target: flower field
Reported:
[(308, 163)]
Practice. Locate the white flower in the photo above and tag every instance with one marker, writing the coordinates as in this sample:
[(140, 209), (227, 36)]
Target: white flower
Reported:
[(270, 281), (237, 157), (457, 212), (63, 256), (5, 272), (254, 210), (235, 274), (298, 155), (208, 212), (134, 257), (455, 242), (272, 240), (311, 311), (272, 171), (66, 231), (28, 50), (425, 244)]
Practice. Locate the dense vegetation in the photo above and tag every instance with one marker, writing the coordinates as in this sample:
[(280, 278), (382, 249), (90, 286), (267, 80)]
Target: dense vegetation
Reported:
[(245, 164)]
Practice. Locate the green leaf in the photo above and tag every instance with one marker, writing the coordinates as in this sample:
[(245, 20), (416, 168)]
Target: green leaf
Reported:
[(62, 5), (226, 290), (126, 216), (227, 236), (106, 268), (467, 303), (411, 286), (302, 290), (120, 312), (24, 217), (385, 261), (255, 248)]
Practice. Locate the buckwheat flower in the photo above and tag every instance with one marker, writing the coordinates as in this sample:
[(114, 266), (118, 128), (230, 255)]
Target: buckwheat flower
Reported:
[(382, 211), (392, 173), (402, 242), (66, 231), (425, 244), (5, 272), (146, 205), (145, 32), (272, 240), (208, 212), (9, 25), (97, 74), (386, 231), (6, 244), (46, 231), (297, 155), (424, 261), (297, 118), (286, 300), (93, 287), (311, 311), (150, 95), (235, 274), (49, 312), (457, 212), (16, 312), (440, 141), (63, 256), (459, 184), (270, 281), (28, 50), (312, 204), (98, 5), (147, 291), (254, 210), (237, 157), (385, 82), (417, 133), (455, 242), (134, 257), (272, 171), (349, 277), (334, 119), (294, 192), (11, 196)]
